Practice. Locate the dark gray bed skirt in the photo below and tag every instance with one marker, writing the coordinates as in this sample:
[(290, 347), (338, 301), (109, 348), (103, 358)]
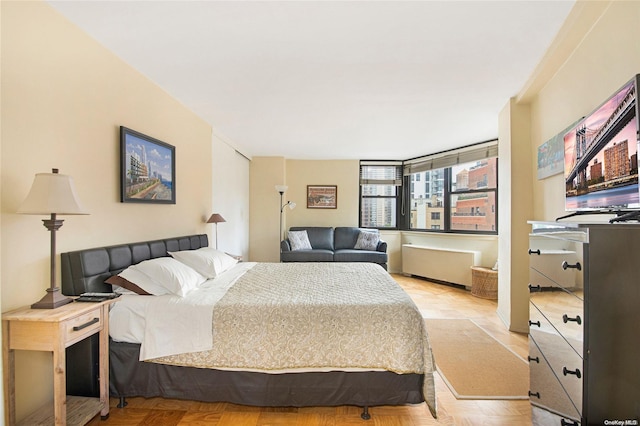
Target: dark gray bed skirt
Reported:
[(130, 378)]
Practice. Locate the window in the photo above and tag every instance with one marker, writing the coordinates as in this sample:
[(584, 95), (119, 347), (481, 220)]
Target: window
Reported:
[(474, 187), (427, 206), (452, 191), (380, 184), (460, 191)]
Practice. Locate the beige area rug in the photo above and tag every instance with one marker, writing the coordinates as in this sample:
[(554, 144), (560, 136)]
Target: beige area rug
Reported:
[(475, 365)]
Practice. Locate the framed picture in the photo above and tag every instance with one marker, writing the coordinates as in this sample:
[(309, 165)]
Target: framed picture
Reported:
[(322, 196), (551, 154), (147, 169)]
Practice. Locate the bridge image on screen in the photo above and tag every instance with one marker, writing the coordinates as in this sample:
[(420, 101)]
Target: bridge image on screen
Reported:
[(601, 156)]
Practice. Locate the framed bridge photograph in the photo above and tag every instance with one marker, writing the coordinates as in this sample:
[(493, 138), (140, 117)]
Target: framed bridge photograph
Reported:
[(322, 196), (147, 169)]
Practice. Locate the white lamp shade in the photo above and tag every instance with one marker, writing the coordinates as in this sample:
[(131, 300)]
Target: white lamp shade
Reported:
[(281, 188), (292, 205), (52, 193)]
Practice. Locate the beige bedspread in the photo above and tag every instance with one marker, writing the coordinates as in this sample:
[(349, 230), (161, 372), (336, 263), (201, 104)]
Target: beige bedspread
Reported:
[(306, 316)]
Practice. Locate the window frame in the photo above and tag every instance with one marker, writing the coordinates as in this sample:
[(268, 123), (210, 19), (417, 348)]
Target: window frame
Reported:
[(397, 196), (403, 192)]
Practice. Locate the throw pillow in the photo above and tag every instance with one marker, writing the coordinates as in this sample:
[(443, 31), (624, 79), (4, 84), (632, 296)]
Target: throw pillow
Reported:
[(367, 240), (299, 240)]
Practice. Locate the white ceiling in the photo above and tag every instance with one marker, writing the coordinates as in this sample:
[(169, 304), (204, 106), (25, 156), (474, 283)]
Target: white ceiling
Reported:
[(333, 79)]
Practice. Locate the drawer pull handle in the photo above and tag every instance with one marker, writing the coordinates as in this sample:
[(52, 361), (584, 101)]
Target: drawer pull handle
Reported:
[(577, 319), (534, 323), (575, 373), (534, 288), (566, 265), (564, 422), (536, 359), (536, 394), (534, 252), (85, 325)]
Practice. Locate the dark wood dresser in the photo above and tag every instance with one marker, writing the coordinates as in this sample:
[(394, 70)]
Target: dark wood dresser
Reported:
[(584, 325)]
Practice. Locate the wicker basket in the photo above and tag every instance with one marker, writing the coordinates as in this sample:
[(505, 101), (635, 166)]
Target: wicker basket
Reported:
[(484, 282)]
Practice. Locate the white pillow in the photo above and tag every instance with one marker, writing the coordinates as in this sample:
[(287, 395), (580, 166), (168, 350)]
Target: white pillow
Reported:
[(206, 260), (165, 272), (226, 262), (299, 240), (367, 240), (143, 281)]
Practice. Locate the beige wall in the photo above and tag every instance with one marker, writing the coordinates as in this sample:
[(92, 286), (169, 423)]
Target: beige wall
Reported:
[(345, 174), (264, 208), (514, 207), (63, 100), (267, 172)]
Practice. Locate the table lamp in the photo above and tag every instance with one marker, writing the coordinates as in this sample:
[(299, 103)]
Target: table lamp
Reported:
[(54, 194)]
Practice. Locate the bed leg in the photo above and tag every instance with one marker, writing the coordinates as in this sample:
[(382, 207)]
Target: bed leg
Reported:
[(122, 403), (365, 413)]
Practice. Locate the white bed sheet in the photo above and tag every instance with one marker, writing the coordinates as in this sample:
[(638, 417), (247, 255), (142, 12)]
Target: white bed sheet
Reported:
[(183, 324)]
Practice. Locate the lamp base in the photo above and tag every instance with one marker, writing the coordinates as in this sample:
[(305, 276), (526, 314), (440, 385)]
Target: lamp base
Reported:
[(53, 299)]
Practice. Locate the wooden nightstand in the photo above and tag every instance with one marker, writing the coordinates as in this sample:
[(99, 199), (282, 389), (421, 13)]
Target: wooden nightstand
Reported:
[(53, 330)]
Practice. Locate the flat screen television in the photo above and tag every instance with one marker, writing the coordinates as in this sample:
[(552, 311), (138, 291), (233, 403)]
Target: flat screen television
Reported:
[(601, 156)]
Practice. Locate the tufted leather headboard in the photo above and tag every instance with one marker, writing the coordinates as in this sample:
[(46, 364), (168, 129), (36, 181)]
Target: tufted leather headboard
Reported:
[(85, 270)]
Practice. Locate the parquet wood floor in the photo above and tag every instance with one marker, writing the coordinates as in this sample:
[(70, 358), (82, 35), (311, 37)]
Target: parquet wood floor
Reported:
[(434, 301)]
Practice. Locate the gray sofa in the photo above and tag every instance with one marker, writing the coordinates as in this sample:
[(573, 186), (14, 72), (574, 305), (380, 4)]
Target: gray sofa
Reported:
[(333, 245)]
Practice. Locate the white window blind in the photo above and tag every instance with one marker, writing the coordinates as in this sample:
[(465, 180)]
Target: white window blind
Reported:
[(381, 173), (451, 158)]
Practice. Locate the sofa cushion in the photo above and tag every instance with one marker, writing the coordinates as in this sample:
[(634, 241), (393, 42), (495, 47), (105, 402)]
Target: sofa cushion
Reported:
[(367, 240), (352, 255), (316, 255), (320, 237), (299, 240), (346, 237)]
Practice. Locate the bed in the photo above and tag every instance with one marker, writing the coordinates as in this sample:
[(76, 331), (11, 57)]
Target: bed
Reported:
[(318, 334)]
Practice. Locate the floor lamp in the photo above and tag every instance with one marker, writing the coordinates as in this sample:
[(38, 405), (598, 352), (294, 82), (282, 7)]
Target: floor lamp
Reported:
[(54, 194), (216, 218), (282, 189)]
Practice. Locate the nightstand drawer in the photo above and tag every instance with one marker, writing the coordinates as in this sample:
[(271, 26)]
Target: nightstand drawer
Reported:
[(76, 329)]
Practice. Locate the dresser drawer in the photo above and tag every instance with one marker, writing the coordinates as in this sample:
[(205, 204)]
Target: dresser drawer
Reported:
[(544, 388), (77, 328), (565, 363), (554, 268), (540, 417), (564, 313)]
